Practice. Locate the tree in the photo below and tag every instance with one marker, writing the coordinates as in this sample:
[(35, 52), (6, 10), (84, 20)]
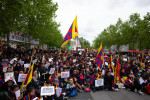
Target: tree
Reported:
[(84, 42)]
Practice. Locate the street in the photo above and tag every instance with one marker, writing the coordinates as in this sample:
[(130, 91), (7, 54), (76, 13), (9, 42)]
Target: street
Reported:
[(110, 95)]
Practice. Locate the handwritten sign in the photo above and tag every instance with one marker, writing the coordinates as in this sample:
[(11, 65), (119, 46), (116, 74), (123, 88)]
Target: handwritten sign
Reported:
[(99, 82), (21, 77), (8, 75), (51, 70), (58, 91), (47, 90), (26, 65), (64, 74)]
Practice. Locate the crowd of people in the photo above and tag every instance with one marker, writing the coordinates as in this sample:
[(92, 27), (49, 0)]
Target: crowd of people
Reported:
[(134, 74)]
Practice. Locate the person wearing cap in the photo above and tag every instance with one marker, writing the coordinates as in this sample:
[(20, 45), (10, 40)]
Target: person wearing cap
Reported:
[(6, 87), (70, 87)]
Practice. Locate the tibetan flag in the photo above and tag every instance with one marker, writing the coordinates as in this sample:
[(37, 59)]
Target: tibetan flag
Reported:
[(92, 79), (28, 78), (86, 49), (117, 72), (111, 65), (72, 32), (143, 57), (99, 58)]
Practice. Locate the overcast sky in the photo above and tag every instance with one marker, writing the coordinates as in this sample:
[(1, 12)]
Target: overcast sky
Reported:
[(95, 15)]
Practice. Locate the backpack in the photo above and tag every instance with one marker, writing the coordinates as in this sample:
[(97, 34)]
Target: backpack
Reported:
[(73, 93)]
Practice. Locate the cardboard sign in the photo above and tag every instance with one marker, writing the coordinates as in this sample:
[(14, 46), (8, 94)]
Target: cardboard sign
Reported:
[(26, 65), (51, 70), (17, 93), (99, 82), (47, 90), (65, 74), (21, 77), (58, 91), (8, 75)]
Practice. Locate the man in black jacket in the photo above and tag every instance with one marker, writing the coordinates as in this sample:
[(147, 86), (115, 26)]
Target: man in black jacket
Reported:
[(108, 78)]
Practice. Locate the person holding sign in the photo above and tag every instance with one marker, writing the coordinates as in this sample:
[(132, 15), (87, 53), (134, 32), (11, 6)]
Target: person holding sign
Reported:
[(49, 97), (57, 96), (71, 91), (13, 94), (7, 86), (92, 81)]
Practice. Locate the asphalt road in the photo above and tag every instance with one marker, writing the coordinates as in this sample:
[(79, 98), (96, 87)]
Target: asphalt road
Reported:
[(110, 95)]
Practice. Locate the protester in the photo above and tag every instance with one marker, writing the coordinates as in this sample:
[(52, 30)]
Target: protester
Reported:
[(83, 72)]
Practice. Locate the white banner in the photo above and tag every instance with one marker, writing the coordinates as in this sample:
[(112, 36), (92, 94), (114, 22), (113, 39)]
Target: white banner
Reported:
[(26, 65), (9, 75), (21, 77), (47, 90), (99, 82), (65, 74)]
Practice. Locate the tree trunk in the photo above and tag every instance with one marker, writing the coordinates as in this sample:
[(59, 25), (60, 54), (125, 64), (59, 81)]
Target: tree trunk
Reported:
[(8, 39)]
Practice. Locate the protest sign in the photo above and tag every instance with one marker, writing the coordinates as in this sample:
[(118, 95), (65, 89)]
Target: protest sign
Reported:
[(5, 68), (21, 77), (12, 61), (106, 63), (26, 65), (8, 75), (47, 90), (141, 80), (34, 61), (50, 59), (58, 91), (103, 72), (17, 93), (36, 98), (99, 82), (21, 63), (64, 74), (47, 65), (51, 70)]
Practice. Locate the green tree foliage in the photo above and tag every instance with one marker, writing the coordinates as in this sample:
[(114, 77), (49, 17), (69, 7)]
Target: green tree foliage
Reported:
[(31, 17), (84, 42), (135, 32)]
